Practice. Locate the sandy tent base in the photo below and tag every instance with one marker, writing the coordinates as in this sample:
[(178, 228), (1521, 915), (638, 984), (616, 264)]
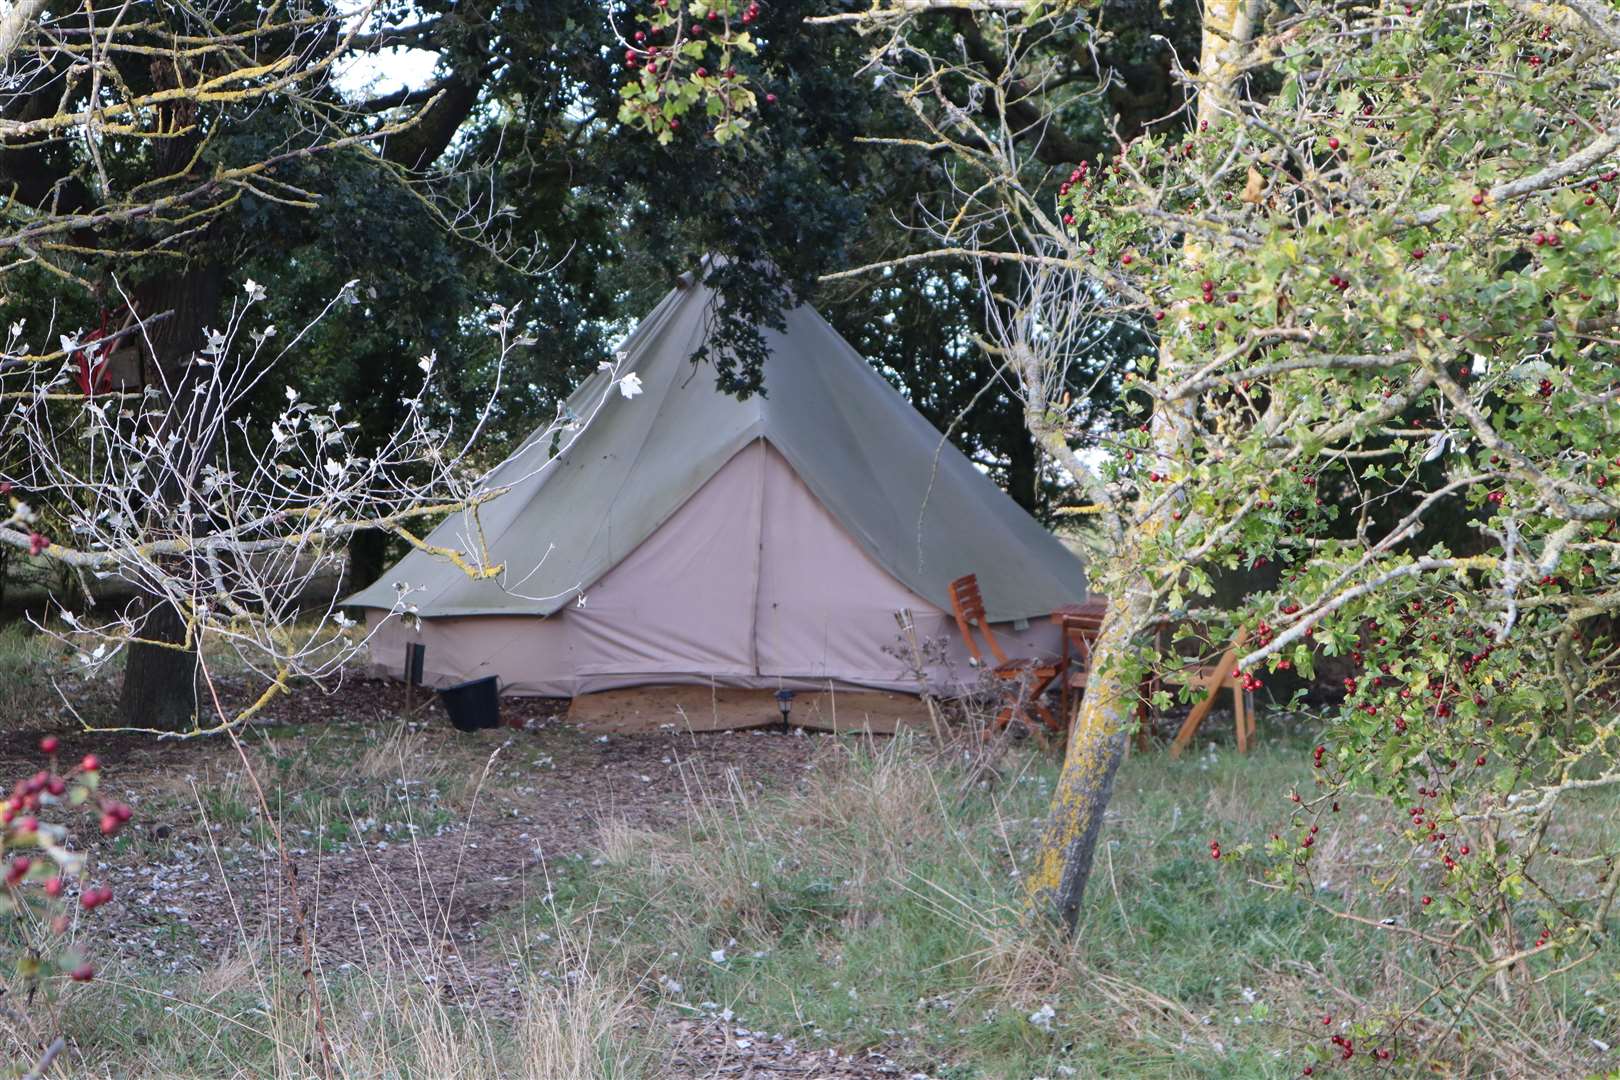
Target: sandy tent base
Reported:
[(702, 708)]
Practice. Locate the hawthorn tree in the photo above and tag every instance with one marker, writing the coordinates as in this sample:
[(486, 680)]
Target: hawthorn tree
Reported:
[(1375, 250)]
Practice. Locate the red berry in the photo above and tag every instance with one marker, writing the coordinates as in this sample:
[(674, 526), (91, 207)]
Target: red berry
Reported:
[(82, 973), (53, 887), (1427, 900), (90, 763), (49, 744), (1333, 144), (110, 824)]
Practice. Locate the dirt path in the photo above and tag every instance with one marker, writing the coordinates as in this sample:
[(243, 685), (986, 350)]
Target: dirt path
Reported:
[(427, 883), (413, 846)]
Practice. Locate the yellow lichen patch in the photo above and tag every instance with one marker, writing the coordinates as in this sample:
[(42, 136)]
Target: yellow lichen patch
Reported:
[(1095, 743)]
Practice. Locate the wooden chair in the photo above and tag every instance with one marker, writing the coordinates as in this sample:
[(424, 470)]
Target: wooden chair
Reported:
[(1079, 625), (1029, 678), (1213, 679)]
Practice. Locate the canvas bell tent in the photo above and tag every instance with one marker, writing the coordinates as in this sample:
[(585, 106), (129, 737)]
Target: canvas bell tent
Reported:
[(683, 536)]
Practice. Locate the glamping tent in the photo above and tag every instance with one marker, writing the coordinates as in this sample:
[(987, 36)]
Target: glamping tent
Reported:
[(684, 536)]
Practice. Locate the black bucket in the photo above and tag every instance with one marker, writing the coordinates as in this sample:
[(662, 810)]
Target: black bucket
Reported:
[(473, 705)]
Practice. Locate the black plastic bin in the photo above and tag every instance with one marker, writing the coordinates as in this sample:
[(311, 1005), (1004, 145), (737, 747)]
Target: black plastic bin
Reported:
[(473, 705)]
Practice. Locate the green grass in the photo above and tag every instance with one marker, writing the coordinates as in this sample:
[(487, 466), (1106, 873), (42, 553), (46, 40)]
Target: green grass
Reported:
[(881, 907)]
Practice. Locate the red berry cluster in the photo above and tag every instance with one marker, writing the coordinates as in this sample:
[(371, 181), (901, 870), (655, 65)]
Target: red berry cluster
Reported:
[(46, 789), (114, 817)]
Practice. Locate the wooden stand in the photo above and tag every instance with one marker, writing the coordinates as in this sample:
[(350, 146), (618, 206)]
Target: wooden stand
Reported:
[(1213, 680)]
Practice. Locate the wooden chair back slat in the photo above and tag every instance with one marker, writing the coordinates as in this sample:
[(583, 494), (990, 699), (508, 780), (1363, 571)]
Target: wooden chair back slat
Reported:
[(967, 604)]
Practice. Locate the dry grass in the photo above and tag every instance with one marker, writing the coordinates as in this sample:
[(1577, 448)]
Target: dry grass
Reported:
[(248, 1018), (402, 1009), (406, 753)]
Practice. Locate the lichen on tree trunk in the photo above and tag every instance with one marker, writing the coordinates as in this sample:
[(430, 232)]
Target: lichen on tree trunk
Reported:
[(1096, 746)]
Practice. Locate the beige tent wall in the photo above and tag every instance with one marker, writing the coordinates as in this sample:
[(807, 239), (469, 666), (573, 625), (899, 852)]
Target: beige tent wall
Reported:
[(530, 655), (826, 608), (751, 583), (682, 602)]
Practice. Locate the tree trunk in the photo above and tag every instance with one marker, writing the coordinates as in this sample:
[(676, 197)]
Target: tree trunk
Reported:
[(1097, 738), (1023, 452), (368, 557), (1098, 732), (1024, 472), (160, 681)]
